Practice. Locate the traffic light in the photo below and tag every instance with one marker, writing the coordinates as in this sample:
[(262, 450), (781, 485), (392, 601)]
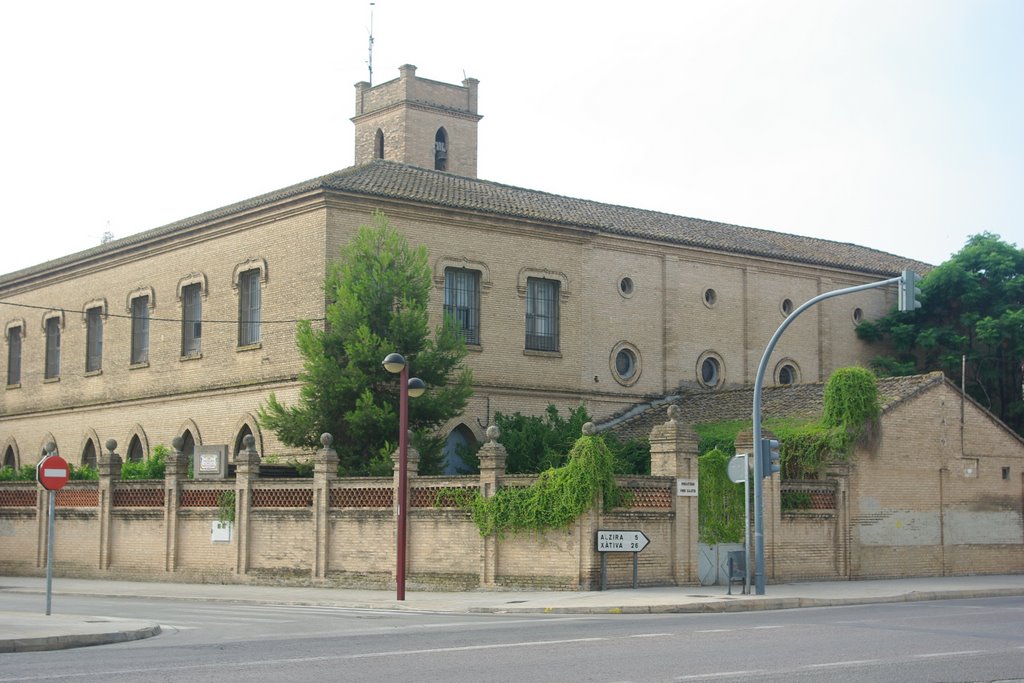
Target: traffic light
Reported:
[(909, 292), (770, 458)]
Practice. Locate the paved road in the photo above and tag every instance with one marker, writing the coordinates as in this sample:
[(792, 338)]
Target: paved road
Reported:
[(954, 640)]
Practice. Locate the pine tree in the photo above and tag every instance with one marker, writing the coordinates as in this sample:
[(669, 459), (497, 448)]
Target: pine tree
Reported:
[(377, 296)]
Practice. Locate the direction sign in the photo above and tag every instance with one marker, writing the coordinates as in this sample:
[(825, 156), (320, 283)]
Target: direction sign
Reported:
[(621, 541), (53, 472)]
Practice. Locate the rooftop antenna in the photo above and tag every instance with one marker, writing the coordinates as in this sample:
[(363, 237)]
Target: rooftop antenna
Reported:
[(369, 62)]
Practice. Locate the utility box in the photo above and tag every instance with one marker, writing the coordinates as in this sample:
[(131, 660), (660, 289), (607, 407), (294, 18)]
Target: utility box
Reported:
[(210, 462)]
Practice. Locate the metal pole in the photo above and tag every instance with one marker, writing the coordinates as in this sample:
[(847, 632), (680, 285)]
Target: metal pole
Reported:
[(636, 575), (403, 483), (758, 382), (746, 524), (49, 551)]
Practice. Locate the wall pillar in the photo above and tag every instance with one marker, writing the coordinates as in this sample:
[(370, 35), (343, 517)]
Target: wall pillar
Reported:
[(674, 454), (175, 470), (109, 473), (325, 471), (493, 457), (247, 468)]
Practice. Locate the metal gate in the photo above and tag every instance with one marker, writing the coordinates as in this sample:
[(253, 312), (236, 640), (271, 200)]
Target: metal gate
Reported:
[(712, 563)]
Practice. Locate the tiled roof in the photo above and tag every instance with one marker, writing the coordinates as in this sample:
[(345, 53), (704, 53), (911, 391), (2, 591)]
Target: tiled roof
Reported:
[(392, 180), (700, 406)]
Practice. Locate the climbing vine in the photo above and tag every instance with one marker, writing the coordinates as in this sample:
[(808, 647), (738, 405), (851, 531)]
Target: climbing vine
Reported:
[(719, 501), (851, 407), (555, 500)]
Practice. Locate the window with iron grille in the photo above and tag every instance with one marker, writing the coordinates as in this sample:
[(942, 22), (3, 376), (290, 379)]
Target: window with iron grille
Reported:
[(542, 314), (249, 308), (14, 355), (191, 320), (93, 340), (462, 302), (140, 330), (52, 348)]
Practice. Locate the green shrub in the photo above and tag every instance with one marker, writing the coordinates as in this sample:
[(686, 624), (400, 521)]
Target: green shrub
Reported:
[(151, 468), (23, 473)]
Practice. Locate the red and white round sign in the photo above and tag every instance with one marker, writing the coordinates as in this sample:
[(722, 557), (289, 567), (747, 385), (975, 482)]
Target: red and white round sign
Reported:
[(53, 472)]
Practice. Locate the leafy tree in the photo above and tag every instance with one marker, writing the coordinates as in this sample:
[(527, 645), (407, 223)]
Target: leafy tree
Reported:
[(973, 306), (377, 296)]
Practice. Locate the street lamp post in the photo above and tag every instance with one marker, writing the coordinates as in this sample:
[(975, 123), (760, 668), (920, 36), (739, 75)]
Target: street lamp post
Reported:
[(395, 363)]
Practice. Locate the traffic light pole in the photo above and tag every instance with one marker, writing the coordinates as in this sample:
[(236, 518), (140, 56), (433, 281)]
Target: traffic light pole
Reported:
[(758, 383)]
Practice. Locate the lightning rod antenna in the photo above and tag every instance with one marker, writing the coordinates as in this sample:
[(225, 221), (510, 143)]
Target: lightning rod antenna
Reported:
[(369, 62)]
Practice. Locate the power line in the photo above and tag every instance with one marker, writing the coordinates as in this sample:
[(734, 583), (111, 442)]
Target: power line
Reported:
[(168, 320)]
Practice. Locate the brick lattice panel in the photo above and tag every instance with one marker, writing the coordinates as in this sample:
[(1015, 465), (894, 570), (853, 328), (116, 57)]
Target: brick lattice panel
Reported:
[(282, 498), (17, 499), (427, 496), (823, 500), (78, 498), (138, 498), (648, 496), (362, 498), (198, 498)]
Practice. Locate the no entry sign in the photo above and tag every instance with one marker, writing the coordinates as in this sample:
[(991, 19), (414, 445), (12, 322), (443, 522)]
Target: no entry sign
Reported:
[(53, 472)]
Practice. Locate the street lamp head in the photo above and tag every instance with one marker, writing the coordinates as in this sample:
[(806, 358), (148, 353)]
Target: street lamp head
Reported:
[(394, 363), (416, 387)]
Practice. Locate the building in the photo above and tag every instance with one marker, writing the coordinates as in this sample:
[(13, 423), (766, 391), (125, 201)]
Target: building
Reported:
[(183, 330), (938, 490)]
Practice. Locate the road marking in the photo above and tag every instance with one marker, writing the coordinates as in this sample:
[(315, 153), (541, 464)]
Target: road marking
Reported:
[(720, 674), (949, 654), (850, 662), (652, 635)]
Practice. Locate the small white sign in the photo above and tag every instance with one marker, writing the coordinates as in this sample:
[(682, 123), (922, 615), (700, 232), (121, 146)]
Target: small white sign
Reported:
[(220, 532), (209, 462), (686, 487)]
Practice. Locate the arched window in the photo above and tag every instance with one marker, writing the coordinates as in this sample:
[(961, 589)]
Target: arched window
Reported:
[(378, 145), (458, 444), (242, 433), (136, 453), (89, 454), (441, 150), (188, 446), (9, 459)]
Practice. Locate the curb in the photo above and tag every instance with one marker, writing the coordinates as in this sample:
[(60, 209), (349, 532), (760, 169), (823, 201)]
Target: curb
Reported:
[(759, 605), (64, 642)]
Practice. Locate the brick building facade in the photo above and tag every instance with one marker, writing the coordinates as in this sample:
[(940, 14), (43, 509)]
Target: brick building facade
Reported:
[(185, 329)]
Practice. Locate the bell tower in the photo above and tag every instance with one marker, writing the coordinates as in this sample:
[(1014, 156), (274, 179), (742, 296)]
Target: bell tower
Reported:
[(419, 122)]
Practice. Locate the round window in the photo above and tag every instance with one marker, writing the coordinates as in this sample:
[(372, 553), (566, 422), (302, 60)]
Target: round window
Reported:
[(710, 372), (626, 286), (787, 306), (858, 315), (625, 363), (787, 374), (710, 297)]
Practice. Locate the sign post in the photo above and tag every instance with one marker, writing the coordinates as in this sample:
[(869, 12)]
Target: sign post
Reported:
[(52, 473), (609, 541), (739, 471)]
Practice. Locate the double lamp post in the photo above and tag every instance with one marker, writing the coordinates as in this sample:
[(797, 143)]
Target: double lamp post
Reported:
[(395, 363)]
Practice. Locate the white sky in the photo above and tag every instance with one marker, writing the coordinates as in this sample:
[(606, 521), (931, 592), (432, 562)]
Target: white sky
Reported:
[(893, 124)]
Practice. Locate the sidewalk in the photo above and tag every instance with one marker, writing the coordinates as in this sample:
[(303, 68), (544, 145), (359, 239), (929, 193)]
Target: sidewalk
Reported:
[(22, 632)]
